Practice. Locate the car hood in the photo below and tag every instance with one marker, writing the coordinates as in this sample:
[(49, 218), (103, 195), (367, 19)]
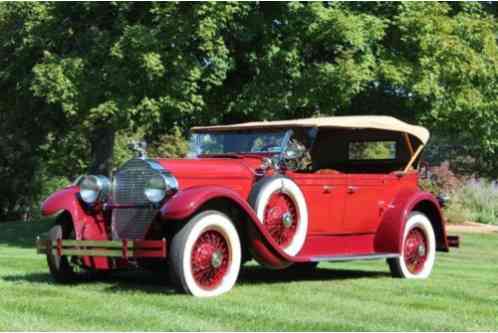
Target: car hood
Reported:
[(218, 168)]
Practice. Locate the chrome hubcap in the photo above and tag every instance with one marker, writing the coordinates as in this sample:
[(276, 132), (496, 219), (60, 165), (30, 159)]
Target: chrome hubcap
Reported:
[(217, 259), (421, 250), (287, 219)]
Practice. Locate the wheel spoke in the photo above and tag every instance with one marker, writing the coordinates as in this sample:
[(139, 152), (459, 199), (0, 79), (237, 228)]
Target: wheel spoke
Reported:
[(207, 268), (275, 215), (415, 250)]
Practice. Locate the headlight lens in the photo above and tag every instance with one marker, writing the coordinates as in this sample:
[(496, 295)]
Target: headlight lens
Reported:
[(160, 185), (94, 188)]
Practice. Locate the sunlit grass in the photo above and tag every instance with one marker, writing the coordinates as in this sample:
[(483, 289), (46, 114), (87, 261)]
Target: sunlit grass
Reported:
[(462, 294)]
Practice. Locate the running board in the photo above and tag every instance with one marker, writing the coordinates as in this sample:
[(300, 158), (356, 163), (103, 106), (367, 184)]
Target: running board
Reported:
[(356, 257)]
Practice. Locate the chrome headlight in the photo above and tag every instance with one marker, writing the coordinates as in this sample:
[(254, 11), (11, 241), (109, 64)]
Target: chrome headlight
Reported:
[(160, 185), (94, 188)]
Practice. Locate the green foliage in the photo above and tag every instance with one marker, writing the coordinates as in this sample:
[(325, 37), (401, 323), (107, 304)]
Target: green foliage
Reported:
[(121, 151), (295, 60), (372, 150), (447, 64), (71, 72), (169, 145)]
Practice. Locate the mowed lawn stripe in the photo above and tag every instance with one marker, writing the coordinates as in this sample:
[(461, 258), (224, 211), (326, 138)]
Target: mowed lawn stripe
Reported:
[(462, 294)]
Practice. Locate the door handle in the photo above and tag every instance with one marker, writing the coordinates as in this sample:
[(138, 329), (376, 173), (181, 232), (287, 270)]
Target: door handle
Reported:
[(327, 189), (352, 189)]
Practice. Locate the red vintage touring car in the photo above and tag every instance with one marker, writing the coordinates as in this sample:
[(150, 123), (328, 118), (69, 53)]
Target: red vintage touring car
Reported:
[(288, 194)]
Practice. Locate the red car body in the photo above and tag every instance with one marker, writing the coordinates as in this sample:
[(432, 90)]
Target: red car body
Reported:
[(350, 215)]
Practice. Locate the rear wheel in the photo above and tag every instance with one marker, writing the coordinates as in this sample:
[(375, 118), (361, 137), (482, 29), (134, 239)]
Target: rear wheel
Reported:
[(61, 268), (206, 255), (419, 249)]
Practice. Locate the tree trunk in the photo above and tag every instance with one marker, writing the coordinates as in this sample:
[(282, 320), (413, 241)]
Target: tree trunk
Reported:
[(102, 148)]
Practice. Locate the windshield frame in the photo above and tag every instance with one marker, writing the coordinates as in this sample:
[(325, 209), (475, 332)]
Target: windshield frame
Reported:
[(286, 135)]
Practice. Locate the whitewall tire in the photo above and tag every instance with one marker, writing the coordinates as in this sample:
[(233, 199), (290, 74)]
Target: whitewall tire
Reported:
[(205, 255), (418, 249), (281, 207)]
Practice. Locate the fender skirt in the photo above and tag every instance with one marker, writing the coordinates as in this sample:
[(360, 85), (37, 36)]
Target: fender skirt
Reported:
[(185, 203), (389, 235)]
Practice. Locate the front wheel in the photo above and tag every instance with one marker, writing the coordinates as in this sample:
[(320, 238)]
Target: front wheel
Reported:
[(419, 249), (206, 255), (61, 268)]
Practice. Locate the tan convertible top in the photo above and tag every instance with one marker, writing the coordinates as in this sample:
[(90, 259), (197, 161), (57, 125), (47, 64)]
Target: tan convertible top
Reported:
[(371, 122)]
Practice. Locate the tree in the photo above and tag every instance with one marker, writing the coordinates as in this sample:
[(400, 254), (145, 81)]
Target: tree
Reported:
[(121, 66), (295, 60), (77, 79), (439, 67)]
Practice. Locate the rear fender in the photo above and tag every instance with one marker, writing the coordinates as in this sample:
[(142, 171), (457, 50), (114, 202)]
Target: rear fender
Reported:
[(87, 225), (186, 203), (389, 235)]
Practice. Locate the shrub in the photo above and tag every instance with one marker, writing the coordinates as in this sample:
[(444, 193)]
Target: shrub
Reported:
[(476, 200), (441, 180)]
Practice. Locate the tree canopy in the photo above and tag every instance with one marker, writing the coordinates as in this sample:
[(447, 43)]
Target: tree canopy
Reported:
[(78, 80)]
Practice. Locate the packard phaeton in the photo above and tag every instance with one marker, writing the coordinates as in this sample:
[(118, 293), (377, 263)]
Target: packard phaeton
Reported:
[(288, 194)]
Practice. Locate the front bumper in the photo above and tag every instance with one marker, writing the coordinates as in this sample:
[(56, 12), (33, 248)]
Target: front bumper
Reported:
[(91, 248)]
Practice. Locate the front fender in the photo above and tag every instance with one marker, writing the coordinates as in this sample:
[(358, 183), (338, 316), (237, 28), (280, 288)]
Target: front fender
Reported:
[(389, 235), (86, 225), (186, 203), (63, 200), (89, 226)]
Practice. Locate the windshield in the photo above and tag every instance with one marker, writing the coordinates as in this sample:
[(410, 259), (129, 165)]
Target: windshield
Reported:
[(236, 142)]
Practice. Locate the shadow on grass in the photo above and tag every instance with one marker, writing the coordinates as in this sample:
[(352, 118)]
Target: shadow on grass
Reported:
[(158, 283), (30, 277), (257, 274), (117, 281)]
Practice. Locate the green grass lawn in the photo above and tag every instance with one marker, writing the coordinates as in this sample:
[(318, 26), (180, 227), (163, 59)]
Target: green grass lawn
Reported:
[(462, 294)]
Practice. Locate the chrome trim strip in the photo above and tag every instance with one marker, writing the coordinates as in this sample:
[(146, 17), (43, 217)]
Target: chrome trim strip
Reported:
[(356, 257)]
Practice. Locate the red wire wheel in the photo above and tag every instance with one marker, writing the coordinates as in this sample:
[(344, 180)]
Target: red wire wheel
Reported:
[(210, 259), (415, 250), (281, 218)]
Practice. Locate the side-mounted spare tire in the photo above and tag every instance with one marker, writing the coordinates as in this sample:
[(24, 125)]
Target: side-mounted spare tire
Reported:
[(281, 207)]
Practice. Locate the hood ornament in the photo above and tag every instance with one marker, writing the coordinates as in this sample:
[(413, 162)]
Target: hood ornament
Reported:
[(139, 148)]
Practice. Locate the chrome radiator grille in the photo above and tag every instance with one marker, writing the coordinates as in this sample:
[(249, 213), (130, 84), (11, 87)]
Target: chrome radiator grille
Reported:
[(128, 189)]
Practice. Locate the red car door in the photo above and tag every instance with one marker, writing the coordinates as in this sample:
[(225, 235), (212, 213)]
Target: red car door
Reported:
[(325, 195), (365, 202)]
